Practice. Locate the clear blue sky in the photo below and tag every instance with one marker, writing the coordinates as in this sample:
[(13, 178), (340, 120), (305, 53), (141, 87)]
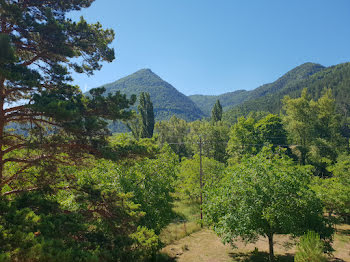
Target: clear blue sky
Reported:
[(213, 47)]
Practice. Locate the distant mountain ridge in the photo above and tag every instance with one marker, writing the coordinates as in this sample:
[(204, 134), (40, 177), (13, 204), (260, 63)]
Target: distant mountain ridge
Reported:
[(337, 78), (168, 101), (228, 100)]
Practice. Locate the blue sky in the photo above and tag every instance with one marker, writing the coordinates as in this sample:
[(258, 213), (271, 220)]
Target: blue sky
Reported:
[(213, 47)]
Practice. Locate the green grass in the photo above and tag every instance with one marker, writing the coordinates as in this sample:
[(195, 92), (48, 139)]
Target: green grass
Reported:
[(188, 210), (185, 223)]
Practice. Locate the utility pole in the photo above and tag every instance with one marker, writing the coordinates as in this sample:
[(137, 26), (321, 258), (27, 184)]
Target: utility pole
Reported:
[(201, 177)]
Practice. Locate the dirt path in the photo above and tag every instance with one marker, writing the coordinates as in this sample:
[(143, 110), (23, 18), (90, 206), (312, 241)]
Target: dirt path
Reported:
[(205, 246)]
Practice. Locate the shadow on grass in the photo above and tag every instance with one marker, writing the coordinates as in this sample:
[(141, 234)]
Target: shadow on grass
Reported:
[(260, 257), (343, 231), (161, 257), (186, 210)]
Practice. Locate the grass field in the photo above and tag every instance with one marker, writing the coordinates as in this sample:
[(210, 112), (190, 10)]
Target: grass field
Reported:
[(205, 246)]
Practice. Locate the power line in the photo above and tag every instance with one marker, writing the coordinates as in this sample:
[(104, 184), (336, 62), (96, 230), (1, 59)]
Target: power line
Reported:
[(261, 144)]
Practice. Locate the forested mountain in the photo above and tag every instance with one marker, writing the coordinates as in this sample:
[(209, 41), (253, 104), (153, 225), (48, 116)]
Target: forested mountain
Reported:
[(167, 101), (228, 100), (335, 77)]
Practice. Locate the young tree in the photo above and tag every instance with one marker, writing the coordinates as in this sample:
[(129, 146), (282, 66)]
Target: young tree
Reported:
[(310, 249), (214, 139), (248, 135), (146, 115), (216, 113), (300, 122), (244, 139), (271, 131), (152, 182), (174, 132), (265, 195), (40, 48), (189, 175)]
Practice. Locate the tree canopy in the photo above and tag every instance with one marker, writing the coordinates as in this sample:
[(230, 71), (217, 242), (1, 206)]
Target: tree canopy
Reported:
[(41, 48), (314, 128), (265, 195)]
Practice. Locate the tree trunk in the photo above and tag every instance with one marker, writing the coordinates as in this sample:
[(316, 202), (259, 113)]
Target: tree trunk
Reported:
[(271, 255), (2, 126)]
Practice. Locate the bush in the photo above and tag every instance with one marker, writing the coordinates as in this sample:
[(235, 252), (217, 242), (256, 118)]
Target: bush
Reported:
[(310, 248)]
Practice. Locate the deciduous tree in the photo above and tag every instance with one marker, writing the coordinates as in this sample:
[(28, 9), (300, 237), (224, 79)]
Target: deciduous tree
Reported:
[(174, 132), (243, 139), (265, 195), (214, 137), (314, 127), (189, 175)]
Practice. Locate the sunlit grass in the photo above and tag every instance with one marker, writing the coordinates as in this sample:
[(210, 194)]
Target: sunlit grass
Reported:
[(186, 222)]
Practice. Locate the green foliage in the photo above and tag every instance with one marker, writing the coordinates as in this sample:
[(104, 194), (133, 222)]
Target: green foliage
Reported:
[(152, 181), (174, 132), (335, 191), (141, 124), (189, 176), (52, 209), (270, 130), (216, 113), (106, 212), (231, 99), (35, 227), (264, 195), (145, 109), (310, 249), (300, 122), (248, 136), (41, 50), (243, 139), (314, 127), (124, 147), (214, 137), (336, 78)]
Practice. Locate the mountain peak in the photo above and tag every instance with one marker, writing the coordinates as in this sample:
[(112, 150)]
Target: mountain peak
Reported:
[(167, 101), (144, 70)]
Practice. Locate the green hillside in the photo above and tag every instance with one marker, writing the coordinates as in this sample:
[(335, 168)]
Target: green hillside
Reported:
[(335, 77), (228, 100), (167, 101)]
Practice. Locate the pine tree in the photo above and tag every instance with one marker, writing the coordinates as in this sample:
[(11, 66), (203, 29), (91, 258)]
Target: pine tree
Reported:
[(39, 49), (216, 113)]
